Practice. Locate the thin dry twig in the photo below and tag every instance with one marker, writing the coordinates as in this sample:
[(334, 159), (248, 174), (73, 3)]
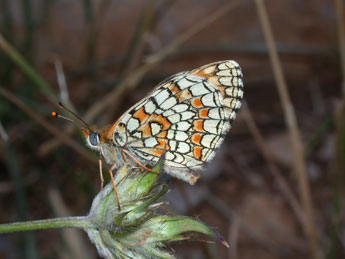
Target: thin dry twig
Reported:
[(53, 130), (62, 83), (266, 153), (291, 121), (130, 82), (234, 233), (3, 133)]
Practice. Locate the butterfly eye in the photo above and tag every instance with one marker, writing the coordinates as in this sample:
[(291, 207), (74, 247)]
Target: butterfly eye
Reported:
[(94, 138)]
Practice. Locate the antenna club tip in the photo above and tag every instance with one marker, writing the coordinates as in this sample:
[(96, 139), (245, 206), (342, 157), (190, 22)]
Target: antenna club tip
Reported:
[(78, 120)]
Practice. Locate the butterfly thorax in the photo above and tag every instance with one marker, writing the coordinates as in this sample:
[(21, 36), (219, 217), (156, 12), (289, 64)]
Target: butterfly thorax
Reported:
[(112, 154)]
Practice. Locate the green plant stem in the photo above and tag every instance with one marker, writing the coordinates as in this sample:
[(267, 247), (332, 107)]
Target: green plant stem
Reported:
[(75, 222)]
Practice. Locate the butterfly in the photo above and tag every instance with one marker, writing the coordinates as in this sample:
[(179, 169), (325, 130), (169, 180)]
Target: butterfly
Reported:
[(186, 117)]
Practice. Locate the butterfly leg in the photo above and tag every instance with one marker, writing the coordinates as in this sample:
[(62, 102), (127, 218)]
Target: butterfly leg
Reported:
[(101, 172), (114, 186), (124, 156), (123, 151)]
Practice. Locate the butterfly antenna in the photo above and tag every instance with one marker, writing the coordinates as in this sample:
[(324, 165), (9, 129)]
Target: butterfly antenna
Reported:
[(79, 120)]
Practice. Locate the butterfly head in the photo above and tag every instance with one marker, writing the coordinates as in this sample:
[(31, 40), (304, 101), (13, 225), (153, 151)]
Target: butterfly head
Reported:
[(93, 136)]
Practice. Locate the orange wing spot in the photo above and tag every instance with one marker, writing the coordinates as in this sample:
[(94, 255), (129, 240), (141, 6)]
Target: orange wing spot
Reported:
[(141, 115), (197, 102), (185, 94), (196, 138), (206, 72), (197, 152), (222, 90), (163, 144), (157, 152), (163, 121), (162, 134), (175, 89), (203, 113), (201, 73), (198, 125), (214, 80), (146, 130)]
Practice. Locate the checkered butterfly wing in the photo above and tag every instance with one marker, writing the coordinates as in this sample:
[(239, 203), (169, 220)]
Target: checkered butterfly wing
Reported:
[(187, 115)]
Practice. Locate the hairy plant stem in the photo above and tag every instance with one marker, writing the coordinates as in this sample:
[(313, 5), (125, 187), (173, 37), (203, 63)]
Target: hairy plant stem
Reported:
[(66, 222)]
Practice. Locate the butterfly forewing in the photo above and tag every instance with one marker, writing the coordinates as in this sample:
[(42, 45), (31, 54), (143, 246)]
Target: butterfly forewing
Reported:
[(187, 116)]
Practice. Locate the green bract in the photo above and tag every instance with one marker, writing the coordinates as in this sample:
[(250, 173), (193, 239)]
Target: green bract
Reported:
[(138, 230)]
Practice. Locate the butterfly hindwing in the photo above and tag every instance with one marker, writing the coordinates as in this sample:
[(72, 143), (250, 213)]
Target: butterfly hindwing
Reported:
[(187, 116)]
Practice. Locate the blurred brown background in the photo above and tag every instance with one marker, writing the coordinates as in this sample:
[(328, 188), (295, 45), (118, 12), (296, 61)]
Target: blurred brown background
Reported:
[(102, 56)]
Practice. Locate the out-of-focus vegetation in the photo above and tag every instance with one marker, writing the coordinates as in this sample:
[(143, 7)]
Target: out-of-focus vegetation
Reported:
[(275, 188)]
